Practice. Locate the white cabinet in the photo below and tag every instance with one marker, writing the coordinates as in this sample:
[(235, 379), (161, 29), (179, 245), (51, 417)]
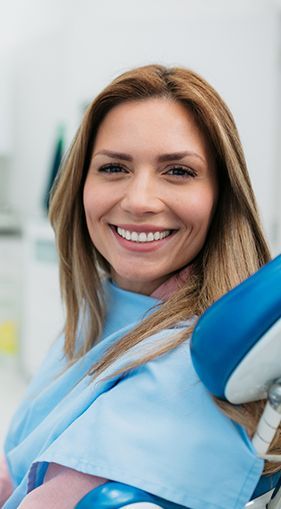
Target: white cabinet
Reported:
[(6, 90), (42, 319)]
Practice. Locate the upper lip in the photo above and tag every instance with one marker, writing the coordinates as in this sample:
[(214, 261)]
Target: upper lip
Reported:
[(142, 227)]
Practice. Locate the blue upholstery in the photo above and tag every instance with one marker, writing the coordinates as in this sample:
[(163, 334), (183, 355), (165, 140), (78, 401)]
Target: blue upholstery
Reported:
[(266, 483), (232, 326), (114, 495)]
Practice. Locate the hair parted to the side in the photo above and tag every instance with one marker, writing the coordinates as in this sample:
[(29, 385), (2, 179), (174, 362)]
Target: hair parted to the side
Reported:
[(234, 249)]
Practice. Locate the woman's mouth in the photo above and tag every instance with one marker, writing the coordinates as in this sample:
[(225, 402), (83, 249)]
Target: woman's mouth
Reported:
[(134, 236), (141, 241)]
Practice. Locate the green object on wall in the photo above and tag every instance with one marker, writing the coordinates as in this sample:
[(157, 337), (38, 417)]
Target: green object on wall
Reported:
[(55, 165)]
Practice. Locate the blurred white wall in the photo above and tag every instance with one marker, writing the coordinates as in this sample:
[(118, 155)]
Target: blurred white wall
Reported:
[(64, 52), (55, 55)]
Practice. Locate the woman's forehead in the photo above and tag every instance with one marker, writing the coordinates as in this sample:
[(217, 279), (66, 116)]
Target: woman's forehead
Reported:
[(160, 124)]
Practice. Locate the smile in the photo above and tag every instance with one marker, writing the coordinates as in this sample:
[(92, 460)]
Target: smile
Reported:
[(142, 236)]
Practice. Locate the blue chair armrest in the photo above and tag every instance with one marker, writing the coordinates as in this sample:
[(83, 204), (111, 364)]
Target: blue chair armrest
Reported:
[(114, 495)]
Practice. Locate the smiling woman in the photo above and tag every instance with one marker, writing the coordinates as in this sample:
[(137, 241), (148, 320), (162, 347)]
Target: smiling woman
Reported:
[(148, 211), (155, 219)]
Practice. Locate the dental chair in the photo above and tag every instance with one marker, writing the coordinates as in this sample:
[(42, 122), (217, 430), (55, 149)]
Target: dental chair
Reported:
[(245, 366)]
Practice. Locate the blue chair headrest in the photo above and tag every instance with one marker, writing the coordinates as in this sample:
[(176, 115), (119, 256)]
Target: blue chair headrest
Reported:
[(237, 340)]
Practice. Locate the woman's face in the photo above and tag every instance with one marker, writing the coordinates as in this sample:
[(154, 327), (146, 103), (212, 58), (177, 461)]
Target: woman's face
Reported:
[(150, 192)]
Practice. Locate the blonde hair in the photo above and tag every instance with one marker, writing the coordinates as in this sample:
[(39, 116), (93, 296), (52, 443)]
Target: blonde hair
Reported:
[(235, 246)]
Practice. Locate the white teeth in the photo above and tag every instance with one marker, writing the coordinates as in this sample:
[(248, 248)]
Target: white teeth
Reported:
[(142, 236)]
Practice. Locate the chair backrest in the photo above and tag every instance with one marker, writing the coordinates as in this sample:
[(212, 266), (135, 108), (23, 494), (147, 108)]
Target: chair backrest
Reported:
[(246, 325)]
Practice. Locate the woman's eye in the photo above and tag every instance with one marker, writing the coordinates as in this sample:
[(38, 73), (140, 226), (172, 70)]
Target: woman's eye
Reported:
[(180, 171), (111, 168)]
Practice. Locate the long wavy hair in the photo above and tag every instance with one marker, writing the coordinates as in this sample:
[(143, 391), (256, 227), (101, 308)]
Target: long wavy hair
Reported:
[(235, 246)]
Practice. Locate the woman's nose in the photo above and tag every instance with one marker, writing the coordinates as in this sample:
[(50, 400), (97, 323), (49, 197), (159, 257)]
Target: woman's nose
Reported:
[(142, 196)]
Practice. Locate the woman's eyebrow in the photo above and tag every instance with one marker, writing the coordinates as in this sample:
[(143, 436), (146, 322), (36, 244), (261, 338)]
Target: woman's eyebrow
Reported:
[(173, 156), (176, 156), (117, 155)]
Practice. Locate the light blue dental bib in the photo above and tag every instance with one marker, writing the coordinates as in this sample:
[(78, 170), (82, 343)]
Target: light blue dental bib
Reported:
[(156, 428)]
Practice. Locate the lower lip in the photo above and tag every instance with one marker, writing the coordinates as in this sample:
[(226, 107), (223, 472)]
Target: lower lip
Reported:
[(141, 247)]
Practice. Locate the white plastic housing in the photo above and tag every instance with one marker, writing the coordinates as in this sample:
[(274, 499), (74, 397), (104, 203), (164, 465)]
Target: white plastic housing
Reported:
[(259, 368)]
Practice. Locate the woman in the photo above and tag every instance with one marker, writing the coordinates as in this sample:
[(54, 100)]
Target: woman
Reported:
[(155, 218)]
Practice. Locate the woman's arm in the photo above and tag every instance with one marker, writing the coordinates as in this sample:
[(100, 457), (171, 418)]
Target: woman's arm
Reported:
[(6, 486), (62, 488)]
